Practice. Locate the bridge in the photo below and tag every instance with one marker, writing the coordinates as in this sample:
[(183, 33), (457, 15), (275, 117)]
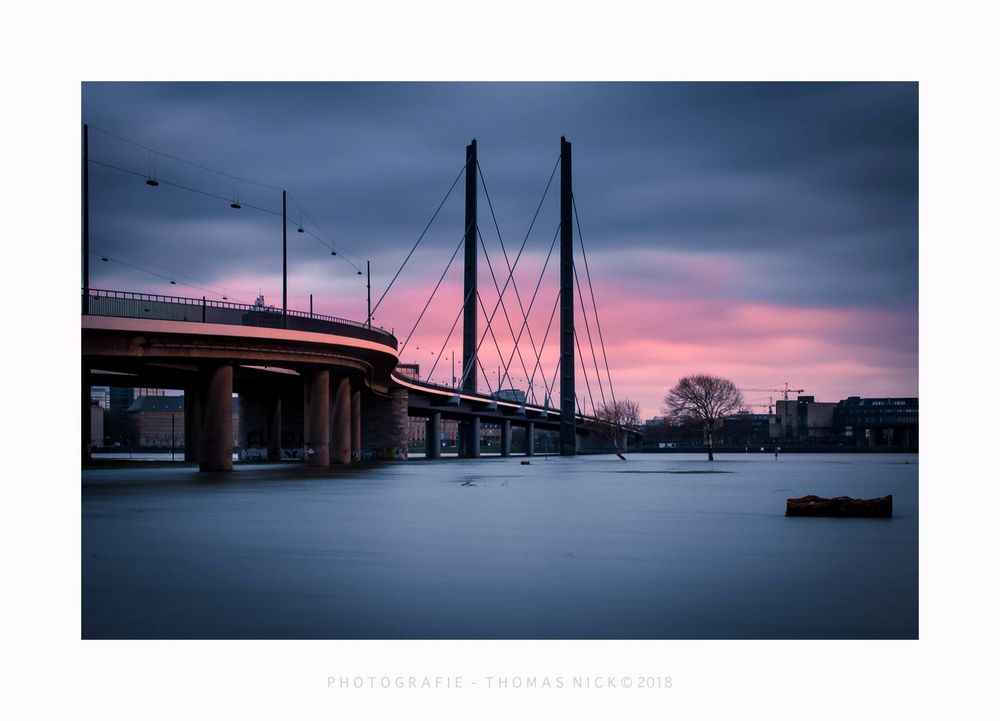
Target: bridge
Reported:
[(333, 386)]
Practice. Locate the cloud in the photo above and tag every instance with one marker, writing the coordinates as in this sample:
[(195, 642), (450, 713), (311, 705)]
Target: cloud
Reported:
[(763, 229)]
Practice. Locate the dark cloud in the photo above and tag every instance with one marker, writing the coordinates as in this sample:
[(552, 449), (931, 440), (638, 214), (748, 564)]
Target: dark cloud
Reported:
[(811, 188)]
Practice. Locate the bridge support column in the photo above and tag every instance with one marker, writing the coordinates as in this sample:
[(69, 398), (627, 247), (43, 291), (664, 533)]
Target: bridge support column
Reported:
[(356, 425), (340, 427), (192, 423), (274, 430), (317, 418), (529, 439), (215, 437), (505, 437), (468, 434), (433, 435)]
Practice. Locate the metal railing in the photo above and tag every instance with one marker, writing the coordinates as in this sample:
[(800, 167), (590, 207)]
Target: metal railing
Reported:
[(125, 304)]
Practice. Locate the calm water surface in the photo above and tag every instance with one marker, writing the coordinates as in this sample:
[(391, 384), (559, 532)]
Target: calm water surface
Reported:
[(661, 546)]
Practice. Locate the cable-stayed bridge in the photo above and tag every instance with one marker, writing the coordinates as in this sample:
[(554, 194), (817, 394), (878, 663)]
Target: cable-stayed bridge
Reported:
[(337, 387)]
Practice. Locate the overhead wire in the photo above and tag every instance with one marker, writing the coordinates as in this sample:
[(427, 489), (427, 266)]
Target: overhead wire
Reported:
[(225, 291), (172, 280), (181, 160), (151, 174)]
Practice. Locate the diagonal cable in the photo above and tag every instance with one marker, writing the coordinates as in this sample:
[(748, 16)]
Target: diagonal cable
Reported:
[(520, 251), (583, 366), (433, 292), (461, 309), (586, 324), (510, 270), (593, 298), (503, 307), (538, 364), (426, 228), (495, 343)]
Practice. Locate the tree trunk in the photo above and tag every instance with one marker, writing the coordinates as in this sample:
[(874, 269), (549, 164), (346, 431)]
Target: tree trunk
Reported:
[(709, 434)]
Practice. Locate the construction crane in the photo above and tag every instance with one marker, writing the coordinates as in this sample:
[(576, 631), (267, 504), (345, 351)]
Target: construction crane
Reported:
[(762, 404), (785, 392)]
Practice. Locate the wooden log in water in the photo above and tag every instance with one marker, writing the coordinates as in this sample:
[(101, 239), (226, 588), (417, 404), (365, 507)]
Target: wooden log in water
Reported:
[(841, 506)]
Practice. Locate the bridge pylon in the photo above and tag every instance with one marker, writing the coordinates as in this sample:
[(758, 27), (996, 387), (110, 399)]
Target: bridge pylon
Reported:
[(468, 430), (567, 387)]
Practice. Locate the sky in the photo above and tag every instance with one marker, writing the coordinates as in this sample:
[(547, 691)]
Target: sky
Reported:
[(765, 232)]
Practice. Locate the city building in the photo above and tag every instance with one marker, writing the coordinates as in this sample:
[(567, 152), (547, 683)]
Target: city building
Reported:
[(409, 370), (158, 422), (874, 422), (803, 419)]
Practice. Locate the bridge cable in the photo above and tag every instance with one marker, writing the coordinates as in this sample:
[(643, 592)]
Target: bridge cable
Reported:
[(461, 309), (510, 270), (534, 295), (593, 298), (485, 376), (503, 306), (433, 292), (555, 375), (426, 228), (538, 364), (523, 243), (583, 366), (495, 343), (538, 285), (586, 323)]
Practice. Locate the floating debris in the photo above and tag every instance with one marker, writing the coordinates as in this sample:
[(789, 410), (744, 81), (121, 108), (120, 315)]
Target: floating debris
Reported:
[(843, 506)]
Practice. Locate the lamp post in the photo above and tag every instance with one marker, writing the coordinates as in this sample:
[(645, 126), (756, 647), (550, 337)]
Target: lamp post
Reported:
[(284, 261)]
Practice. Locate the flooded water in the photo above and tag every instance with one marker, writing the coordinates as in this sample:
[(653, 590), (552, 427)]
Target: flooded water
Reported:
[(660, 546)]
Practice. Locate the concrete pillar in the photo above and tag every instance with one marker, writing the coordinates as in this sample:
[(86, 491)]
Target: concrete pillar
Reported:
[(434, 435), (215, 447), (192, 423), (529, 439), (316, 414), (474, 435), (356, 425), (340, 426), (274, 429), (505, 437)]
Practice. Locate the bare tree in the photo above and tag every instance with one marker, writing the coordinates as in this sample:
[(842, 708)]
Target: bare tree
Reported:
[(615, 418), (702, 399)]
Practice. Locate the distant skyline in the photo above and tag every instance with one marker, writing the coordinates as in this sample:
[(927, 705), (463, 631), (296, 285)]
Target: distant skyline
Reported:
[(766, 232)]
